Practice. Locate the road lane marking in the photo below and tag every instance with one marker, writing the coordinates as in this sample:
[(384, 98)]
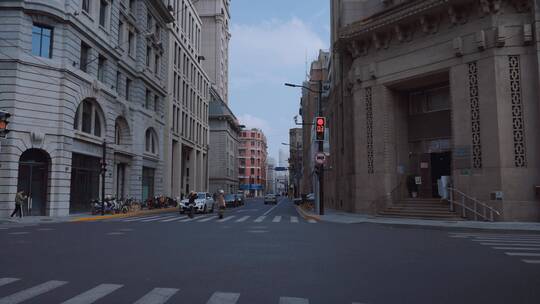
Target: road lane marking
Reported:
[(207, 219), (260, 219), (115, 233), (516, 248), (289, 300), (159, 218), (5, 281), (18, 233), (223, 298), (270, 210), (508, 241), (32, 292), (312, 221), (192, 219), (512, 244), (294, 219), (531, 261), (230, 217), (276, 219), (505, 236), (242, 219), (177, 218), (157, 296), (523, 254), (93, 294), (141, 218)]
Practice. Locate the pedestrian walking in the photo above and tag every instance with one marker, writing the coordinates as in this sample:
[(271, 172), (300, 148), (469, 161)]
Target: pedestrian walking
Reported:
[(191, 197), (221, 203), (20, 197)]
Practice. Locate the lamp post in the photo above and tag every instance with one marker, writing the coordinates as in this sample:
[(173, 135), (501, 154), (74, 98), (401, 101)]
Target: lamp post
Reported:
[(321, 142)]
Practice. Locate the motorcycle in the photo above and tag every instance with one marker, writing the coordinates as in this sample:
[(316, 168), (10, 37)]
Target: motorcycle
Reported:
[(109, 206)]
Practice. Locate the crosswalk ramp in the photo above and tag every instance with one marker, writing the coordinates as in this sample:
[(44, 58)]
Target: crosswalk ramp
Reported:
[(105, 293), (206, 218), (526, 247)]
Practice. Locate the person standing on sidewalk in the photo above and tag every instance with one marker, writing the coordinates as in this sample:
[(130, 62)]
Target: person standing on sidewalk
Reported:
[(20, 197), (221, 203)]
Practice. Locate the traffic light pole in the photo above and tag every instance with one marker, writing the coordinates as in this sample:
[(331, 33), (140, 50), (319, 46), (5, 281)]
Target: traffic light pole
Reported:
[(321, 149)]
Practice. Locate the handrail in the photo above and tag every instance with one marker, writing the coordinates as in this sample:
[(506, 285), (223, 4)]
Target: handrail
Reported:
[(385, 197), (474, 210)]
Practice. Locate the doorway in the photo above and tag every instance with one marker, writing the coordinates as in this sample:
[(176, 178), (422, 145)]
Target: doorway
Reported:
[(85, 181), (33, 180), (440, 166)]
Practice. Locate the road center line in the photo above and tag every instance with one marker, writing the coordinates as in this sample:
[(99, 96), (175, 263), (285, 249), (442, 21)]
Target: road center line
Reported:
[(270, 210)]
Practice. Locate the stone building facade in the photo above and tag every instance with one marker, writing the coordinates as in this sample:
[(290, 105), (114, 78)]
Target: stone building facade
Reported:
[(77, 77), (295, 160), (224, 139), (215, 16), (427, 89), (186, 143), (252, 162)]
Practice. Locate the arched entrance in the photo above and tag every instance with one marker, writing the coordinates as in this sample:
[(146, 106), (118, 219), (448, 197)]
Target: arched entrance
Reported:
[(33, 179)]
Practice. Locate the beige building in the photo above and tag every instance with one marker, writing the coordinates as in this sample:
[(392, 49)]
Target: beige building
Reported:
[(186, 142), (428, 89), (215, 16)]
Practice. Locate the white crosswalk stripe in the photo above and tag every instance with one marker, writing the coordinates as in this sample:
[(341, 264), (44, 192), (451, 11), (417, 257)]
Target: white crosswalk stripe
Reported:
[(524, 246), (157, 296), (195, 218), (5, 281), (242, 219), (227, 218), (276, 219), (159, 218), (93, 294), (32, 292), (289, 300), (312, 221), (137, 219), (207, 219), (223, 298), (260, 219), (294, 219), (177, 218)]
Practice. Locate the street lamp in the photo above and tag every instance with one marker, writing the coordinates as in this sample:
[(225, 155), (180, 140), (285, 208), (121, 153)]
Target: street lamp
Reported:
[(321, 142)]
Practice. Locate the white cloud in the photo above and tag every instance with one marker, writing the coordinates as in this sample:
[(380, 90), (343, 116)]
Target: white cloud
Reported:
[(251, 121), (260, 51)]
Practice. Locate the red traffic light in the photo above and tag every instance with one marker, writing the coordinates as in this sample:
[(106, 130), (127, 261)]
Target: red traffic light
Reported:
[(320, 124), (320, 121)]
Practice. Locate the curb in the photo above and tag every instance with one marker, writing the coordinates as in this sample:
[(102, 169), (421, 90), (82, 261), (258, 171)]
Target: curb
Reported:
[(306, 215), (113, 216)]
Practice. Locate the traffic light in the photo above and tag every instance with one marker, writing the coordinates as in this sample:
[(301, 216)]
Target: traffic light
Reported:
[(320, 125), (4, 116)]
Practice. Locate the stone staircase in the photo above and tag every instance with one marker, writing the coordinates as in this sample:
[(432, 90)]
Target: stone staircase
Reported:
[(433, 209)]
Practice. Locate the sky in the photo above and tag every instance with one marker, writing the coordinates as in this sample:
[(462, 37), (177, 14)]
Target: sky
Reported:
[(270, 45)]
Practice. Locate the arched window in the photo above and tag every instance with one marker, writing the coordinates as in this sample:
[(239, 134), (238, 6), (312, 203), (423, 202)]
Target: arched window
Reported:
[(117, 134), (151, 142), (88, 118)]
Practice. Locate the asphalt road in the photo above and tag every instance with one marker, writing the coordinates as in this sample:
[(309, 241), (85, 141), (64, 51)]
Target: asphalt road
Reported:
[(260, 254)]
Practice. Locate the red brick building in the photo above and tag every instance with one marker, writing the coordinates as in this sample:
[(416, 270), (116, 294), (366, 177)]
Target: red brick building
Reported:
[(252, 156)]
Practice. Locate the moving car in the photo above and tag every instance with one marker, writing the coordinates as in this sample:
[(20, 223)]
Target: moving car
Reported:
[(270, 198), (241, 198), (230, 200), (203, 203)]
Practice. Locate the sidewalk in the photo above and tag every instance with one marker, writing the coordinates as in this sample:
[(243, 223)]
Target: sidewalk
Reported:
[(81, 217), (337, 216)]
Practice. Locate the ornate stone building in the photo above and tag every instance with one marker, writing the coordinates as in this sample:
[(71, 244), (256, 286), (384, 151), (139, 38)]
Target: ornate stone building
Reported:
[(187, 139), (80, 74), (429, 88)]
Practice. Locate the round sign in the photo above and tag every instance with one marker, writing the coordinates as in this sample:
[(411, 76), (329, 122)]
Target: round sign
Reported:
[(320, 158)]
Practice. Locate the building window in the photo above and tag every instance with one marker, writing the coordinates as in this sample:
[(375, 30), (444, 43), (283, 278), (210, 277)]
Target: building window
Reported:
[(103, 12), (42, 41), (102, 62), (156, 103), (149, 22), (118, 79), (117, 134), (151, 142), (147, 100), (156, 66), (252, 171), (85, 51), (132, 6), (121, 34), (131, 43), (148, 55), (88, 118), (128, 88), (86, 6)]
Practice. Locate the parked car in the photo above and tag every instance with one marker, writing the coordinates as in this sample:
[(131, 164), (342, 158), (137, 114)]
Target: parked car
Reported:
[(311, 197), (270, 198), (203, 203), (297, 201)]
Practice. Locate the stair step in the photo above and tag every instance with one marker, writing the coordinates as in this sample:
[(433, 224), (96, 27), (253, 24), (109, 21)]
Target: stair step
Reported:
[(421, 217), (419, 214), (421, 206)]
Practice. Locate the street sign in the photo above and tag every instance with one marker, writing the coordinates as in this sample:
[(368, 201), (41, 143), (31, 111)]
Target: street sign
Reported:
[(320, 158)]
